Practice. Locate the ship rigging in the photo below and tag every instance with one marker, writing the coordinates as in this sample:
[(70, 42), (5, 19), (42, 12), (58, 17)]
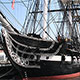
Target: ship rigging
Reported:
[(44, 49)]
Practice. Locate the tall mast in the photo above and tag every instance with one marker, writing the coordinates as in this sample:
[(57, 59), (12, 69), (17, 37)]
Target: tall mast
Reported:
[(35, 14), (45, 10), (73, 16), (71, 21)]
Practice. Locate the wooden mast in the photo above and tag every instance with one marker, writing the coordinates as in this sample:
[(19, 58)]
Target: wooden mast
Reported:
[(45, 18)]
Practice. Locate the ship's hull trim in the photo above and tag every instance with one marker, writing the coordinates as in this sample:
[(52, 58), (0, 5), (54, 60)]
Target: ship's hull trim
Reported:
[(55, 77)]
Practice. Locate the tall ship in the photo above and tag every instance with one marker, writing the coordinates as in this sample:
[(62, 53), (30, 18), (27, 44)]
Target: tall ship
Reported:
[(48, 46)]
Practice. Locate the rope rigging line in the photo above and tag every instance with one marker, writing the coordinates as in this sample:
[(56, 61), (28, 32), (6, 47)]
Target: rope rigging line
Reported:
[(5, 74), (27, 11), (31, 16), (34, 16), (10, 13), (45, 31), (39, 21), (40, 25), (53, 19), (15, 2), (27, 15), (64, 7), (24, 4)]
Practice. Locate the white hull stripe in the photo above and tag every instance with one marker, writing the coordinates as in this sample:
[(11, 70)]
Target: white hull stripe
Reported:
[(55, 58)]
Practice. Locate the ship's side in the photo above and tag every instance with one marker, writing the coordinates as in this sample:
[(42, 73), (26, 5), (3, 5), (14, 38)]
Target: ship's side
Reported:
[(54, 70), (36, 57), (43, 65)]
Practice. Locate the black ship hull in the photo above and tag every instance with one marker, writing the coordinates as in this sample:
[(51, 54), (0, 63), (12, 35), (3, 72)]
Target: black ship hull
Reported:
[(45, 66), (9, 73), (53, 68), (50, 70)]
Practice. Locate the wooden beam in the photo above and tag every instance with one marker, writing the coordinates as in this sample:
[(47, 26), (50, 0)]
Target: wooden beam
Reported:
[(58, 10)]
